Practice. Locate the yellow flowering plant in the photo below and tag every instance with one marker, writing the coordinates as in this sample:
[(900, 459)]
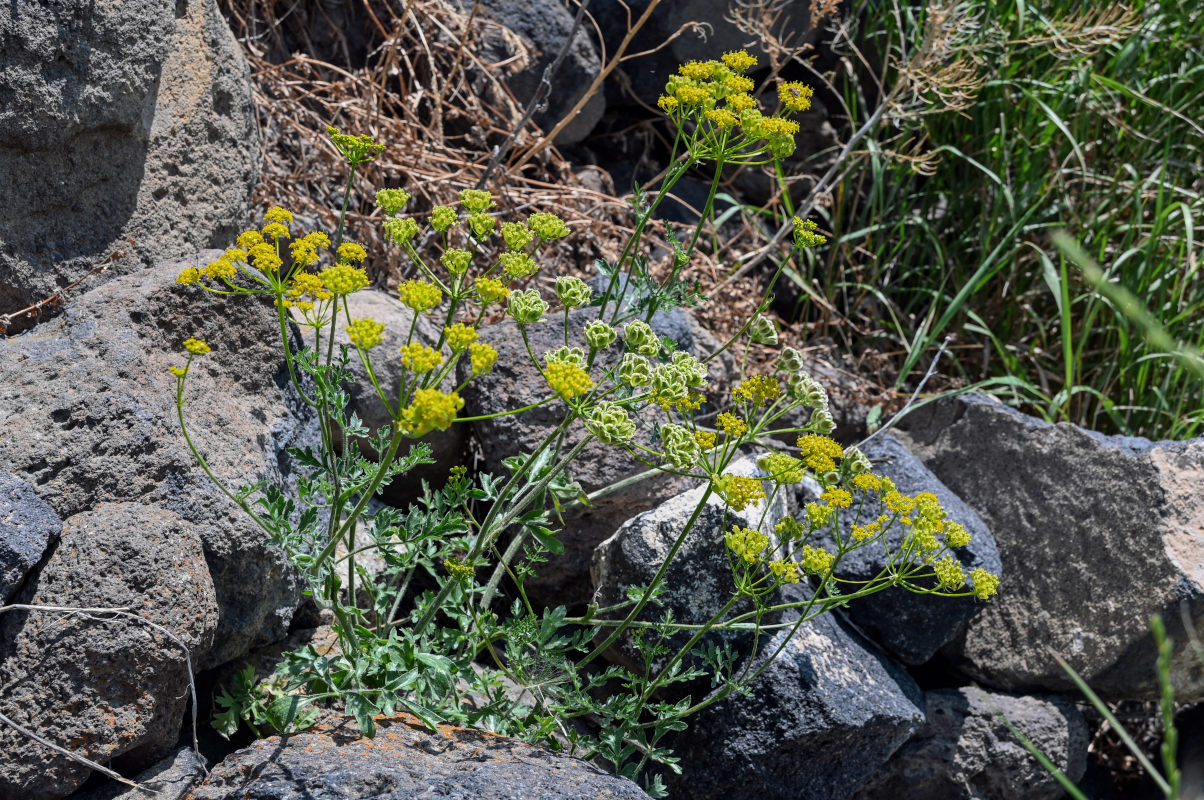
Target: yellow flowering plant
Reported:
[(644, 400)]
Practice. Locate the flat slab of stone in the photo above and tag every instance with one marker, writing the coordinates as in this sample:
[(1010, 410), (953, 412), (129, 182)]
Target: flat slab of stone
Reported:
[(406, 761), (28, 526)]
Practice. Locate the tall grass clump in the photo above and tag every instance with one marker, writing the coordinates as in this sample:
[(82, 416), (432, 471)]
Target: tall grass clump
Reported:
[(1005, 123)]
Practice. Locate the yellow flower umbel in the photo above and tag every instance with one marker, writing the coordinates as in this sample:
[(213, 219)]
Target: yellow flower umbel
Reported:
[(568, 380), (746, 544), (420, 358), (483, 357), (430, 410), (365, 333), (459, 336), (343, 279), (760, 390), (739, 491), (490, 291), (819, 452), (197, 347), (420, 295)]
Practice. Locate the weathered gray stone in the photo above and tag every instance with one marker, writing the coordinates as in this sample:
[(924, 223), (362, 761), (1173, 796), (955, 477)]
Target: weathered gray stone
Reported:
[(820, 721), (119, 122), (544, 28), (449, 448), (912, 627), (966, 752), (1096, 534), (104, 688), (698, 581), (87, 411), (515, 382), (170, 779), (406, 760), (27, 528)]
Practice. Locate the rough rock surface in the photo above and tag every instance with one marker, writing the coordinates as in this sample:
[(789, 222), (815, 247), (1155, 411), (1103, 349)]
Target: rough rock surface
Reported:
[(113, 690), (544, 27), (1096, 534), (404, 761), (27, 528), (514, 383), (820, 721), (87, 411), (119, 121), (449, 448), (912, 627), (699, 579), (966, 752), (170, 779)]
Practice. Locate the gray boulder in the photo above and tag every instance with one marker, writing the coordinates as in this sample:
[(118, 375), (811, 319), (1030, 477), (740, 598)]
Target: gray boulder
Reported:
[(124, 126), (88, 415), (824, 716), (106, 688), (406, 760), (912, 627), (28, 526), (698, 581), (1096, 534), (966, 752), (543, 29), (515, 383)]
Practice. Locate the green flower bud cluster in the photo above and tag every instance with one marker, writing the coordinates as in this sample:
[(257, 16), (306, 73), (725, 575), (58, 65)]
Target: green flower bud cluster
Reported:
[(476, 201), (681, 448), (668, 383), (805, 389), (516, 235), (400, 231), (547, 226), (746, 544), (635, 370), (443, 217), (693, 371), (855, 461), (640, 338), (599, 335), (482, 225), (455, 260), (566, 355), (526, 307), (805, 235), (392, 201), (573, 292), (790, 360), (610, 423), (762, 330), (518, 265)]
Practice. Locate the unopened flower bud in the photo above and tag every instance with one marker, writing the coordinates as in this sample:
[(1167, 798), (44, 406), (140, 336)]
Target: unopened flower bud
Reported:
[(821, 422), (641, 339), (599, 335), (634, 370), (610, 423), (790, 360), (526, 306), (762, 330), (573, 292)]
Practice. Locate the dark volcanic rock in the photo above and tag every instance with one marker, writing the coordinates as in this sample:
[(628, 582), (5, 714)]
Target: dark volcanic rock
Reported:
[(105, 688), (819, 722), (87, 410), (966, 752), (27, 527), (119, 121), (912, 627), (1096, 534), (405, 761), (699, 580), (170, 779)]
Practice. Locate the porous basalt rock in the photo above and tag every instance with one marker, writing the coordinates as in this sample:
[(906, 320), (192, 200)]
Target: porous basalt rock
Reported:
[(124, 127), (28, 526), (111, 689), (912, 627), (88, 413), (1096, 534), (406, 760), (821, 719), (965, 751)]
